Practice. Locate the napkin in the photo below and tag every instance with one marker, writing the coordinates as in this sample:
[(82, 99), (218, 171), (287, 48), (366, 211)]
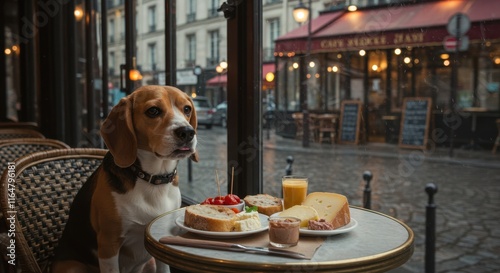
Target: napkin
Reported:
[(306, 245)]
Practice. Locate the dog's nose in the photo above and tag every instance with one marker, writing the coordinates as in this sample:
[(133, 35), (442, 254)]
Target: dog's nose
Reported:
[(185, 133)]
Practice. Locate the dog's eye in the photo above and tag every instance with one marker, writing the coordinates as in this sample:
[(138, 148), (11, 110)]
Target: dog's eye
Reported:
[(187, 110), (153, 112)]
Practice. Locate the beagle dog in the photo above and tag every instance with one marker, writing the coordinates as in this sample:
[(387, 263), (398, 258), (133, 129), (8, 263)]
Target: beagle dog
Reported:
[(147, 134)]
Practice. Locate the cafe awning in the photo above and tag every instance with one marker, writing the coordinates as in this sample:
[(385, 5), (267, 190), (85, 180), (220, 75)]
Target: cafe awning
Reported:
[(221, 79), (393, 26), (218, 80)]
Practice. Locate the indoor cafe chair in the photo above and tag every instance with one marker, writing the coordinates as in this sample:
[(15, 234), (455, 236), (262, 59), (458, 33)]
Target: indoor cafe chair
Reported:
[(19, 125), (45, 186), (11, 149), (9, 133)]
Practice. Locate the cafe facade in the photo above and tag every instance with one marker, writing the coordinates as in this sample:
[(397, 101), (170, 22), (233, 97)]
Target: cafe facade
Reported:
[(382, 55)]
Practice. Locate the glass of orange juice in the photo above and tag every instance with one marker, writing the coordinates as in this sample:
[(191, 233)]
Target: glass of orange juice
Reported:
[(294, 190)]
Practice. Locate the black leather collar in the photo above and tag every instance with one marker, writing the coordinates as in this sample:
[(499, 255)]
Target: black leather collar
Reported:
[(153, 179)]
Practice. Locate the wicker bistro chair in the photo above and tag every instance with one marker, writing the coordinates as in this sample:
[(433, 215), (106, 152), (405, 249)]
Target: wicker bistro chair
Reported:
[(9, 133), (45, 186), (20, 125), (11, 149)]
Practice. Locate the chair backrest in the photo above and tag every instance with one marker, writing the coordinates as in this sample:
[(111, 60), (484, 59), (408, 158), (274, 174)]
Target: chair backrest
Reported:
[(12, 149), (9, 133), (38, 190), (22, 125)]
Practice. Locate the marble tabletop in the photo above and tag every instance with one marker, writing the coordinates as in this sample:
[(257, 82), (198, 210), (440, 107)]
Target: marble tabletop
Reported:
[(377, 244)]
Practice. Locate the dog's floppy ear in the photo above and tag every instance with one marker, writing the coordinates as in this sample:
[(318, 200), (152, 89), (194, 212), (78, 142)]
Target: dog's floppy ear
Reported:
[(119, 135), (194, 123)]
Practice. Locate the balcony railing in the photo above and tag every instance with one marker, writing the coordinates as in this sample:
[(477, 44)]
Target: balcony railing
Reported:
[(189, 63), (269, 2), (212, 61), (191, 17), (212, 13), (268, 54)]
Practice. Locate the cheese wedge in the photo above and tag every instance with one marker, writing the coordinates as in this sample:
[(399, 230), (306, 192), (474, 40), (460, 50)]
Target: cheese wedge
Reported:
[(332, 207), (304, 213)]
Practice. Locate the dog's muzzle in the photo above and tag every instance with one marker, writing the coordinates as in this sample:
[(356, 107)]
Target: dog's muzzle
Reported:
[(185, 134)]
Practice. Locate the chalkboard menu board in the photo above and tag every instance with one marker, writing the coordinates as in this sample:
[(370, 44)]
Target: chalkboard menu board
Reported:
[(415, 123), (350, 122)]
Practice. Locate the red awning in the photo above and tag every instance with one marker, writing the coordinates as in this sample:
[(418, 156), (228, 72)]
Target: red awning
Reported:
[(218, 80), (222, 79), (394, 26)]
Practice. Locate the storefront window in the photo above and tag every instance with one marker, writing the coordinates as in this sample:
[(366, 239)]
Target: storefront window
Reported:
[(488, 89), (356, 73)]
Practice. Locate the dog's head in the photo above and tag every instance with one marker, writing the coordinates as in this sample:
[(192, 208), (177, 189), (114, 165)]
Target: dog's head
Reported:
[(159, 119)]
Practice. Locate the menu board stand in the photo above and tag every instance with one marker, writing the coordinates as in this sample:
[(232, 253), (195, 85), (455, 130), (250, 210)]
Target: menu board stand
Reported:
[(350, 121), (415, 121)]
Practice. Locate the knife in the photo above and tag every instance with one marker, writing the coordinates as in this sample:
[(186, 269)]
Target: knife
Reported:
[(173, 240)]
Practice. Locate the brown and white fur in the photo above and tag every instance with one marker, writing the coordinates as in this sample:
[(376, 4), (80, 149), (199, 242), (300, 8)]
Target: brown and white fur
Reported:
[(153, 128)]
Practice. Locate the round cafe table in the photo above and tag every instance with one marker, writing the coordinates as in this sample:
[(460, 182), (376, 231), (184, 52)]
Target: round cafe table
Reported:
[(377, 244)]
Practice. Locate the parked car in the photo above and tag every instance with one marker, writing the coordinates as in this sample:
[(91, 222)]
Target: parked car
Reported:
[(204, 111), (220, 114)]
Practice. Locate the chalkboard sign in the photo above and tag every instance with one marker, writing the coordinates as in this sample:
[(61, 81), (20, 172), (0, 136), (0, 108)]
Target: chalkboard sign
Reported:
[(415, 123), (350, 121)]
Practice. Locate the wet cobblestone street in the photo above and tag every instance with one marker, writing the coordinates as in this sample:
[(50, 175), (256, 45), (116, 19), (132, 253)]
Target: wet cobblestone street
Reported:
[(468, 203)]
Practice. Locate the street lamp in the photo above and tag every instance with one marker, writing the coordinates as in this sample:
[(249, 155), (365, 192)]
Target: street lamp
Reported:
[(301, 14), (221, 68)]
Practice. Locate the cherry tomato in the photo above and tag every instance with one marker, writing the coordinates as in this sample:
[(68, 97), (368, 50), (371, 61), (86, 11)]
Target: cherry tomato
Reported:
[(207, 201), (235, 210), (219, 198), (217, 201), (236, 197), (230, 200)]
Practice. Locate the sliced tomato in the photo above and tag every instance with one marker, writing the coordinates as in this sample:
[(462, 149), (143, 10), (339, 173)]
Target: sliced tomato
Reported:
[(235, 210)]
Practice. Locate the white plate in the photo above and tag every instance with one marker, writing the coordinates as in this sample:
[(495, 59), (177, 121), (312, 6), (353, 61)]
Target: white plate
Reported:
[(215, 234), (306, 232)]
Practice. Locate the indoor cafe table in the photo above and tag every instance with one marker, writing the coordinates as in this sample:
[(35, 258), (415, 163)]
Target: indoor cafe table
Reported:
[(378, 243)]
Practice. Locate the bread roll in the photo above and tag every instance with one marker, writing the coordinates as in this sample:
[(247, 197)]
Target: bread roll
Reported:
[(210, 218), (265, 203)]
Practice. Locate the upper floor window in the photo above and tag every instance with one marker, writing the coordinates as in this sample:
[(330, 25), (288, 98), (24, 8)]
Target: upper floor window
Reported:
[(152, 18), (212, 11), (191, 53), (122, 27), (191, 10), (213, 58), (274, 32), (111, 29), (152, 55), (111, 63)]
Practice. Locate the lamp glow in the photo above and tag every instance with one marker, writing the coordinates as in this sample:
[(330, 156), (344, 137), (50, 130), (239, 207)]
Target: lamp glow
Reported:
[(300, 13), (269, 76)]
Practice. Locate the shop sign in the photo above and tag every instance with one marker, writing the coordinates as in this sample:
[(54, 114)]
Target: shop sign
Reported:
[(186, 77), (374, 41)]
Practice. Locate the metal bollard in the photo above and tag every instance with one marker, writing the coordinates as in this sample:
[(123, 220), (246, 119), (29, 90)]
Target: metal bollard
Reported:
[(430, 229), (190, 172), (288, 170), (367, 199)]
